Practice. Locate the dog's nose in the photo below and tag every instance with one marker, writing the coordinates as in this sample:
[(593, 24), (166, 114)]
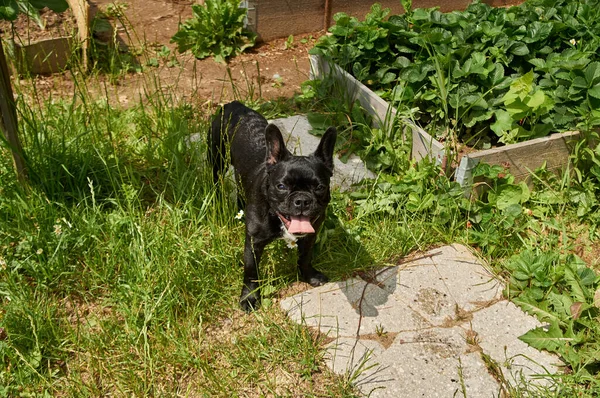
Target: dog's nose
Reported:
[(302, 203)]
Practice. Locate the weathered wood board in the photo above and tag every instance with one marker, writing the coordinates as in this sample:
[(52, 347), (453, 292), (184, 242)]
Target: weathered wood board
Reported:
[(523, 158), (44, 57)]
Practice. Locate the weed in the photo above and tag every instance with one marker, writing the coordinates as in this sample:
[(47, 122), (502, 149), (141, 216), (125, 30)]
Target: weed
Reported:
[(383, 148), (289, 43), (380, 331), (216, 29)]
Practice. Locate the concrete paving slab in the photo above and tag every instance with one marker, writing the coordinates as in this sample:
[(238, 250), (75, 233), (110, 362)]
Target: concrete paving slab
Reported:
[(358, 308), (428, 363), (421, 329), (497, 327), (295, 130)]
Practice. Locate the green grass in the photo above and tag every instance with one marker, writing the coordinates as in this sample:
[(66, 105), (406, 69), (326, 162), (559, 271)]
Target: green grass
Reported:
[(119, 265)]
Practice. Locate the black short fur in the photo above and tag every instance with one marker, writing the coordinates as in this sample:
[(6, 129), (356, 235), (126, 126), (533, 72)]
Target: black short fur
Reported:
[(275, 184)]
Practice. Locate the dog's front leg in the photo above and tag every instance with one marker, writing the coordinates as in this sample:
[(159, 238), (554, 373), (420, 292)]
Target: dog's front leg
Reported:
[(305, 252), (253, 250)]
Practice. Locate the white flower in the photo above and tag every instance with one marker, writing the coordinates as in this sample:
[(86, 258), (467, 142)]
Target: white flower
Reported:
[(240, 215), (292, 244), (573, 41)]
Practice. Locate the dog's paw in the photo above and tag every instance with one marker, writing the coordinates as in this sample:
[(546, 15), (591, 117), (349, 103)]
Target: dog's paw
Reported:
[(249, 299), (314, 278)]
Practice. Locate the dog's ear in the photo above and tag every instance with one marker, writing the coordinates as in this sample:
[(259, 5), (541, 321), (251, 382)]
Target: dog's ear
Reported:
[(276, 150), (325, 149)]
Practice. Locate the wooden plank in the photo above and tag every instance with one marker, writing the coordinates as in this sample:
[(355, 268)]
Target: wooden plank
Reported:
[(8, 118), (360, 8), (44, 57), (381, 111), (523, 158), (424, 145)]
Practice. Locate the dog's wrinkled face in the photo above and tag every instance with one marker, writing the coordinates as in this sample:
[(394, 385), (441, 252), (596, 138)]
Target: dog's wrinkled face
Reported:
[(298, 192), (298, 186)]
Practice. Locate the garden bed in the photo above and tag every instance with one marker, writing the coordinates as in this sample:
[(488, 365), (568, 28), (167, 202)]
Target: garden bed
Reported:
[(48, 45), (521, 159), (503, 86)]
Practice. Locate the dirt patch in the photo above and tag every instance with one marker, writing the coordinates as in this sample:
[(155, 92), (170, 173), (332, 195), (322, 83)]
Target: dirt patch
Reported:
[(385, 339), (431, 301), (271, 70), (292, 289), (436, 344), (588, 250)]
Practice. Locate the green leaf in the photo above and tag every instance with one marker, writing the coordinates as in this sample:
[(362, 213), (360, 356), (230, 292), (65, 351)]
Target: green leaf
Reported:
[(580, 82), (508, 195), (402, 62), (318, 121), (595, 91), (537, 62), (519, 49), (538, 309), (537, 31), (551, 340), (592, 73), (54, 5), (561, 304), (9, 10), (387, 78), (497, 74), (503, 122), (578, 291), (536, 100)]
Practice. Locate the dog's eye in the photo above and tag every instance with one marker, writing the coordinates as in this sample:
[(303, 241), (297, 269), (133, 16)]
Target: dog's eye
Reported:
[(281, 187), (320, 187)]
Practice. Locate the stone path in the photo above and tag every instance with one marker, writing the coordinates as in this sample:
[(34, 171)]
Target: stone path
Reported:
[(434, 326)]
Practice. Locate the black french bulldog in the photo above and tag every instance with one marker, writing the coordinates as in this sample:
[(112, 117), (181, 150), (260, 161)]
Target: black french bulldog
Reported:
[(285, 195)]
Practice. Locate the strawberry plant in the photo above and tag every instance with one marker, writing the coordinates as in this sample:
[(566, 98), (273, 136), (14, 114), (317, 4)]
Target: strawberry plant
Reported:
[(560, 291), (488, 74)]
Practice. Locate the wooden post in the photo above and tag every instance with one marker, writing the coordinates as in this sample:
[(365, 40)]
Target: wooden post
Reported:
[(327, 16), (8, 118)]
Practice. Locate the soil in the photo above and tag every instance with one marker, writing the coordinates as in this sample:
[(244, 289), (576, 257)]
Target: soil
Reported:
[(272, 70)]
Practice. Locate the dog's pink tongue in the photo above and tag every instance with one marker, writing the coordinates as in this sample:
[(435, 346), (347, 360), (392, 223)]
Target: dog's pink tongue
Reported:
[(300, 225)]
